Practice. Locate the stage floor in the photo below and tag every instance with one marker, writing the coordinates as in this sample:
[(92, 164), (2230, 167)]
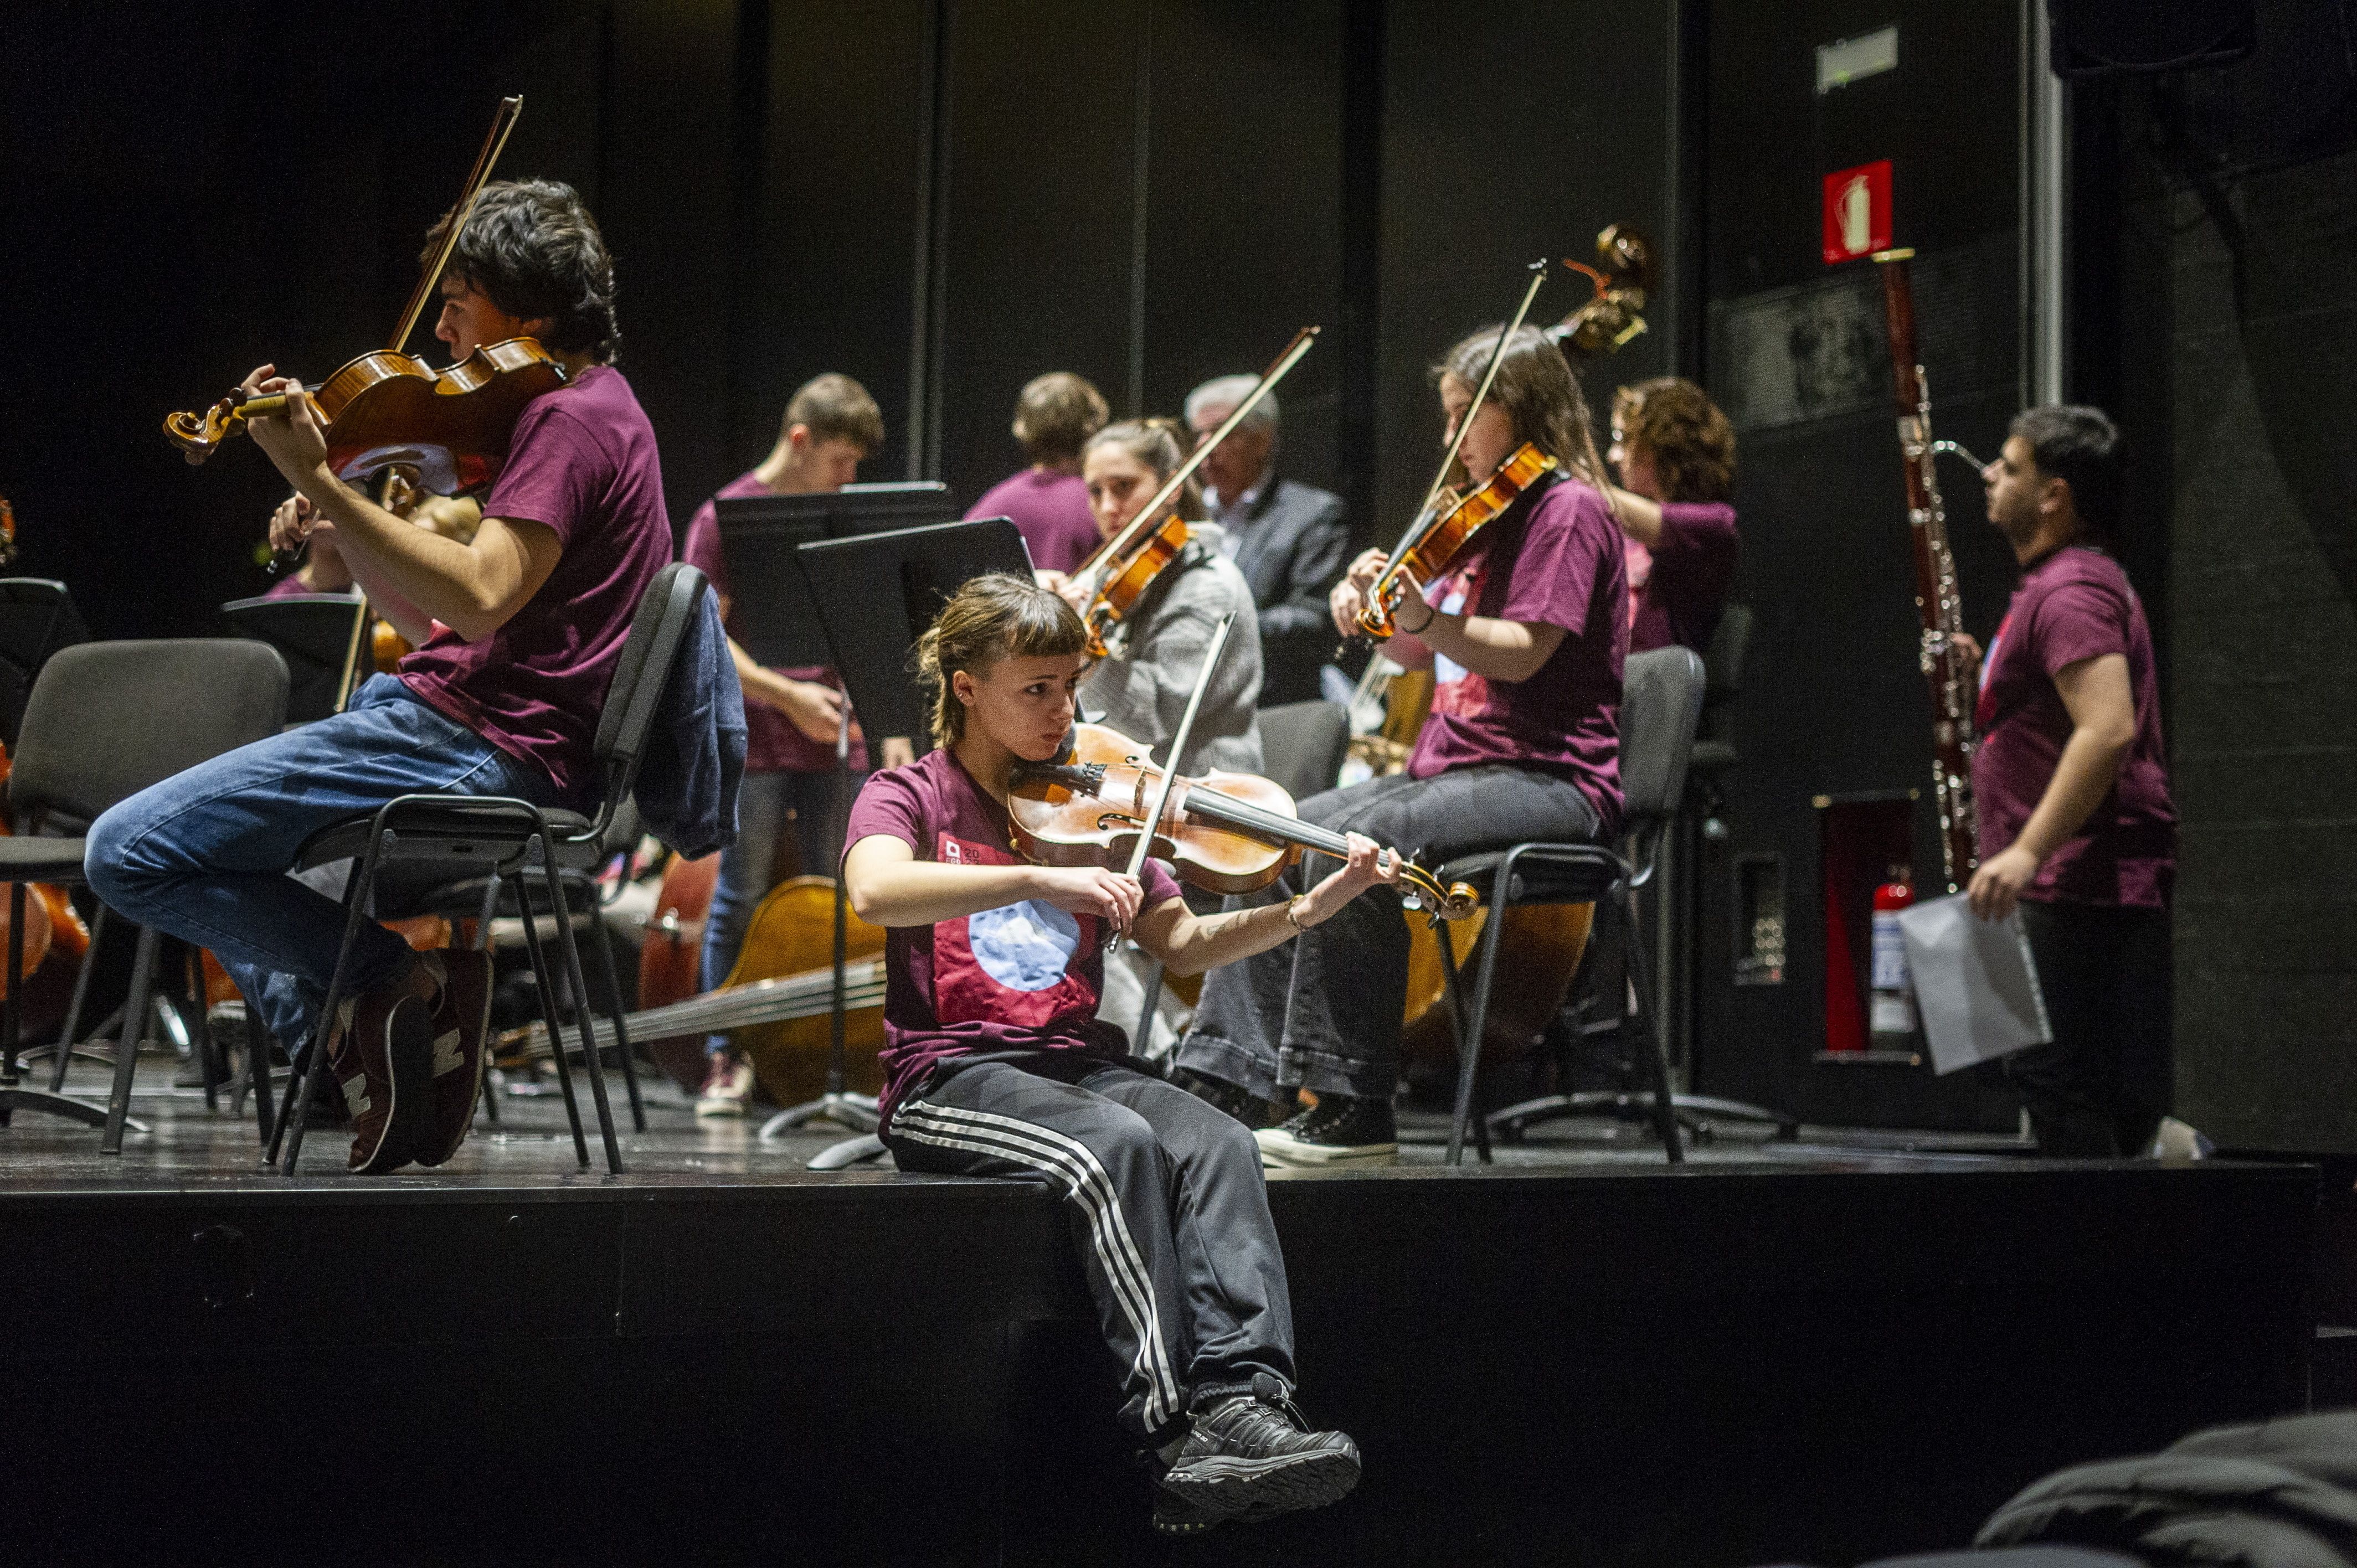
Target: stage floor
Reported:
[(188, 1146), (1819, 1351)]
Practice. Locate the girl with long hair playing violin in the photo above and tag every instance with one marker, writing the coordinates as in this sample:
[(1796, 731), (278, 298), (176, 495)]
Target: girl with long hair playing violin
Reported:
[(1143, 687), (1525, 632), (995, 1063)]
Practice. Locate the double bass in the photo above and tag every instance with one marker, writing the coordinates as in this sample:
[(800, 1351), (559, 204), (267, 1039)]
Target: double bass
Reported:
[(450, 427)]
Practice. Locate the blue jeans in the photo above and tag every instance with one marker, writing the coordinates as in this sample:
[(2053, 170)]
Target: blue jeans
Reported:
[(204, 855), (769, 806)]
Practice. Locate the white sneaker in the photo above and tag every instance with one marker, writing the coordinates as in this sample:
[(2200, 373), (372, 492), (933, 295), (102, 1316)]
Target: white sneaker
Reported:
[(728, 1088), (2176, 1142)]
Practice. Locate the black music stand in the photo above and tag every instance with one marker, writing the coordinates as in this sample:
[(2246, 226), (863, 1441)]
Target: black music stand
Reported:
[(873, 594), (318, 634), (778, 623), (36, 619)]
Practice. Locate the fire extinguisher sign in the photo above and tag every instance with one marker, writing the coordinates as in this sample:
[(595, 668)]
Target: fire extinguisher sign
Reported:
[(1857, 211)]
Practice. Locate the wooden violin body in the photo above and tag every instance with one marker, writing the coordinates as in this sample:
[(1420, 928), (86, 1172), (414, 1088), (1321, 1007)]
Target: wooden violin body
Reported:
[(1451, 523), (1127, 579), (1225, 832), (452, 426)]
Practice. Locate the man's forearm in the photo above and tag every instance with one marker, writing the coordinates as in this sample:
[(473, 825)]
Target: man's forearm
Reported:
[(395, 558), (2084, 775)]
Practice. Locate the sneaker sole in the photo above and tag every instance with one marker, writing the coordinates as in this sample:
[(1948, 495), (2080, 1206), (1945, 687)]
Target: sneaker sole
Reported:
[(409, 1054), (1249, 1490), (1288, 1153)]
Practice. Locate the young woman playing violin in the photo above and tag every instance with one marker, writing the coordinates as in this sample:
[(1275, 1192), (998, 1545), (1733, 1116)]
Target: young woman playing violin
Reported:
[(518, 632), (1525, 632), (1142, 688), (995, 1063)]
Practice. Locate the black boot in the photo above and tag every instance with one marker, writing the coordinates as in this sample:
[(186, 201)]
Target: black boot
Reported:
[(1253, 1456)]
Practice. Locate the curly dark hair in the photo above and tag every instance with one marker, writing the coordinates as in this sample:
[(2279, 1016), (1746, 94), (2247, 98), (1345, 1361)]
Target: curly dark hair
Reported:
[(1690, 441), (533, 249)]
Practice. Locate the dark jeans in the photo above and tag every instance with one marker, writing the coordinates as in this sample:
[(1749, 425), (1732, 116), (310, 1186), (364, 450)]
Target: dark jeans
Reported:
[(2101, 1086), (771, 806), (1322, 1012), (1167, 1201)]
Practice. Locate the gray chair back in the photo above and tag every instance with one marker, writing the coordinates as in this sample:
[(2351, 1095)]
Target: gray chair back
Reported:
[(36, 619), (1722, 664), (1661, 704), (108, 719), (1302, 745)]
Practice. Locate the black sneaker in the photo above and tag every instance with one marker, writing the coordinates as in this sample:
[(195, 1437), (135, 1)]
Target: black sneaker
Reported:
[(1174, 1515), (1241, 1103), (1253, 1456), (1340, 1129)]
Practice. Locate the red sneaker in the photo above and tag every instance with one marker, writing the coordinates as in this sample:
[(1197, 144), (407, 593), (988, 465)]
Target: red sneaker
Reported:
[(380, 1051), (462, 1017)]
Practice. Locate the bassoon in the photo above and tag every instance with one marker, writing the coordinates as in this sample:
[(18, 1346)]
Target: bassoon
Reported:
[(1937, 600)]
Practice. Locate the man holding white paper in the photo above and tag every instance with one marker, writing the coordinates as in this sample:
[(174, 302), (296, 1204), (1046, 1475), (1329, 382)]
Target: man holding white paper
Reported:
[(2070, 783)]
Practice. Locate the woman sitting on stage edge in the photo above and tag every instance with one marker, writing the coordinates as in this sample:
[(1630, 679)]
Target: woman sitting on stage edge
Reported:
[(996, 1064), (1526, 633)]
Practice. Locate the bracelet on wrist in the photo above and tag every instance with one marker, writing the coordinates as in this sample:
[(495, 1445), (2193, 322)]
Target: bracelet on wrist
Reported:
[(1430, 615), (1293, 912)]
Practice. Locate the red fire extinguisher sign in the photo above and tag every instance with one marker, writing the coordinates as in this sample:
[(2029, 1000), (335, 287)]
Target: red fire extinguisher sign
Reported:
[(1857, 211)]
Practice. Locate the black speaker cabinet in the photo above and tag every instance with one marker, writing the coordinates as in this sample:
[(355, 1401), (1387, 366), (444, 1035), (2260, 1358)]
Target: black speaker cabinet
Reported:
[(2114, 37)]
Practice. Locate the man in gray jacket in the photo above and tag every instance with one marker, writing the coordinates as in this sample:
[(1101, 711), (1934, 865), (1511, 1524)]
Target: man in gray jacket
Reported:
[(1289, 540)]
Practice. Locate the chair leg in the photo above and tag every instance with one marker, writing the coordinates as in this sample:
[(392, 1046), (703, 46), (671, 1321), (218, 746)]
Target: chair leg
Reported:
[(311, 1066), (537, 956), (126, 1049), (1648, 1040), (11, 1009), (200, 1032), (483, 945), (613, 976), (70, 1031), (1476, 1017), (582, 1013)]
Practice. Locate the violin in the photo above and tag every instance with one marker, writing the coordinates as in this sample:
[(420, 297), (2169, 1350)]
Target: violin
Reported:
[(1446, 521), (1224, 832), (1118, 571), (453, 426), (1440, 538)]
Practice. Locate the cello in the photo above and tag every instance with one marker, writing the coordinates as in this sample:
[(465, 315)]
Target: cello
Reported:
[(451, 426)]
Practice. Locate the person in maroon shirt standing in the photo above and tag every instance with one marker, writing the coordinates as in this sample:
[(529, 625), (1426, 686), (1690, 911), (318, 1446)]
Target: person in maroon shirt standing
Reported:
[(1675, 452), (995, 1063), (2071, 788), (1053, 419), (517, 630), (1525, 634), (789, 796)]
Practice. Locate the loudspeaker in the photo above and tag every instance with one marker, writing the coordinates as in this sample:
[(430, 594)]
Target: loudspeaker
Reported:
[(2114, 38)]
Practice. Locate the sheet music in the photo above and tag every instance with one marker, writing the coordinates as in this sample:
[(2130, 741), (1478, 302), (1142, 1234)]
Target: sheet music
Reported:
[(1975, 984)]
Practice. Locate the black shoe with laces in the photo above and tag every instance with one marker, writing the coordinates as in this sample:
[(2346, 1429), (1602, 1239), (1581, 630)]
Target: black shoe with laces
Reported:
[(1253, 1456), (1241, 1103), (1339, 1129)]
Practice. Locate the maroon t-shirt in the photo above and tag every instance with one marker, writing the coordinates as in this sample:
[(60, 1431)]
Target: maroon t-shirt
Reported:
[(2075, 604), (1022, 977), (1688, 573), (584, 464), (1553, 558), (1051, 510), (772, 744)]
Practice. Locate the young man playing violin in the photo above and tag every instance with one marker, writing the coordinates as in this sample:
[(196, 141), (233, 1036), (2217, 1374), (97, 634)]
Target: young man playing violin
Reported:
[(1525, 632), (517, 632), (995, 1063)]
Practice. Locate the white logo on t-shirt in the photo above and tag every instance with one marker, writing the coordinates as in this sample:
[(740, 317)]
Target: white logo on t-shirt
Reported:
[(1026, 946)]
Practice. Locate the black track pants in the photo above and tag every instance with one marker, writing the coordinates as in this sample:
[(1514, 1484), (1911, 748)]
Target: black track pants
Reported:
[(1167, 1203)]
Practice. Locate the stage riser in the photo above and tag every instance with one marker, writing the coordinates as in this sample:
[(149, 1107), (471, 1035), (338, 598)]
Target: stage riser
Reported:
[(1721, 1367)]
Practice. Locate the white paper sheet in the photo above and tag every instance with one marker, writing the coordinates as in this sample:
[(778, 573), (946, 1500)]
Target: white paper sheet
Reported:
[(1975, 984)]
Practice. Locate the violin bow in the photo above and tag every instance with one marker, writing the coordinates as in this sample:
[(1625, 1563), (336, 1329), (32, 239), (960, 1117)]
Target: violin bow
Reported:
[(502, 122), (1480, 395), (1178, 748), (1150, 515)]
